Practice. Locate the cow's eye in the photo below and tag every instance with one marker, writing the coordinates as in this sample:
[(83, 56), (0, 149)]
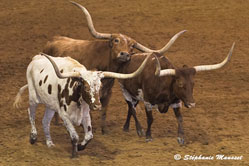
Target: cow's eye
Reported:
[(116, 40)]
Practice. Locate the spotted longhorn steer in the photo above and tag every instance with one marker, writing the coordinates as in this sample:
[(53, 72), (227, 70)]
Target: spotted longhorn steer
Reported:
[(107, 54), (173, 86), (71, 94)]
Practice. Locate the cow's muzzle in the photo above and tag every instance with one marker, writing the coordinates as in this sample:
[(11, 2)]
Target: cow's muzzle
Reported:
[(96, 107), (123, 57)]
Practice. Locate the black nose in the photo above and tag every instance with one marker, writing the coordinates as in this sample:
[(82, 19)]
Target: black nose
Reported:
[(96, 107), (124, 54), (123, 57)]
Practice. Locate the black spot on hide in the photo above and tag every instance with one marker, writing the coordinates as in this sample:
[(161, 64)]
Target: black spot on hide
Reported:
[(49, 89), (45, 79)]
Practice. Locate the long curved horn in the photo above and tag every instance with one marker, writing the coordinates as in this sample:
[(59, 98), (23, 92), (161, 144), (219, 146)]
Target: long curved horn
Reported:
[(56, 69), (131, 75), (90, 24), (167, 72), (202, 67), (164, 49), (158, 66), (215, 66)]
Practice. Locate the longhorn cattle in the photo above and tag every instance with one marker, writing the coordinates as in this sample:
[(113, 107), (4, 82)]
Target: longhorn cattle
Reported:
[(107, 54), (72, 94), (168, 90)]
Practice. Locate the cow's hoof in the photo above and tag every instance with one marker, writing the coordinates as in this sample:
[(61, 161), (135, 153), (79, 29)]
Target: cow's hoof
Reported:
[(126, 129), (33, 138), (81, 147), (140, 133), (74, 155), (103, 131), (50, 144), (180, 140), (148, 139)]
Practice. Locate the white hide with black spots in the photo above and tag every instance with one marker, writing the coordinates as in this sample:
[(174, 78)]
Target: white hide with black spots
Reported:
[(45, 90)]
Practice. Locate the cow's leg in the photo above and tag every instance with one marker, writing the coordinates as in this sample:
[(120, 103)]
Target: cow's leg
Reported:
[(178, 115), (46, 126), (132, 111), (33, 133), (56, 119), (86, 122), (72, 132), (132, 103), (106, 93), (149, 116), (104, 102), (127, 122)]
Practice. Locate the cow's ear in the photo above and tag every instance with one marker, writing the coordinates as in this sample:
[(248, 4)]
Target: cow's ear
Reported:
[(110, 43), (185, 66), (79, 85), (193, 71), (85, 85)]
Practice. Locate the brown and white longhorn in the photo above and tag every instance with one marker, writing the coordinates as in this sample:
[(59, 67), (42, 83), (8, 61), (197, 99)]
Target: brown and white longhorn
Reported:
[(173, 86), (65, 86)]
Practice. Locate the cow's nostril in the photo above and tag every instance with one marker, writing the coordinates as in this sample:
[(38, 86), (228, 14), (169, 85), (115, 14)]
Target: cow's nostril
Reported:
[(122, 53), (97, 107)]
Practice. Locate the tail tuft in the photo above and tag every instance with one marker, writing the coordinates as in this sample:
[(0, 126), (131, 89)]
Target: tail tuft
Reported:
[(18, 98)]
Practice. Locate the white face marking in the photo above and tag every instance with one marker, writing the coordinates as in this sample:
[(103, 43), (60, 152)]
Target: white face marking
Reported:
[(93, 78), (124, 38)]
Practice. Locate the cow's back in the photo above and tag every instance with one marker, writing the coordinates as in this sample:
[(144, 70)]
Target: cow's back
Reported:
[(91, 54), (147, 80)]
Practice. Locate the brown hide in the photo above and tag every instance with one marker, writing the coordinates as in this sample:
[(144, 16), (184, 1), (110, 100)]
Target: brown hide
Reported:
[(102, 55), (147, 80), (91, 54), (159, 90), (184, 84)]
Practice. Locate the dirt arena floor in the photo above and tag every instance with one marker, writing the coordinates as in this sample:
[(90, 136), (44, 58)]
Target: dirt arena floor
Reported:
[(218, 125)]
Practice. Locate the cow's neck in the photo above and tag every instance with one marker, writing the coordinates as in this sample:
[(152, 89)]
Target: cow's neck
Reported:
[(171, 91), (99, 51)]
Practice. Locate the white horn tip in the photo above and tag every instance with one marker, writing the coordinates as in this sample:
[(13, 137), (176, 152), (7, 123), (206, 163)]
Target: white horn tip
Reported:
[(231, 51), (184, 31), (181, 32)]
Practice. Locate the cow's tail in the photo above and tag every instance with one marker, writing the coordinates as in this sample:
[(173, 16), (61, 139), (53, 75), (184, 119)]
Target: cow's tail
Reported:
[(18, 98)]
